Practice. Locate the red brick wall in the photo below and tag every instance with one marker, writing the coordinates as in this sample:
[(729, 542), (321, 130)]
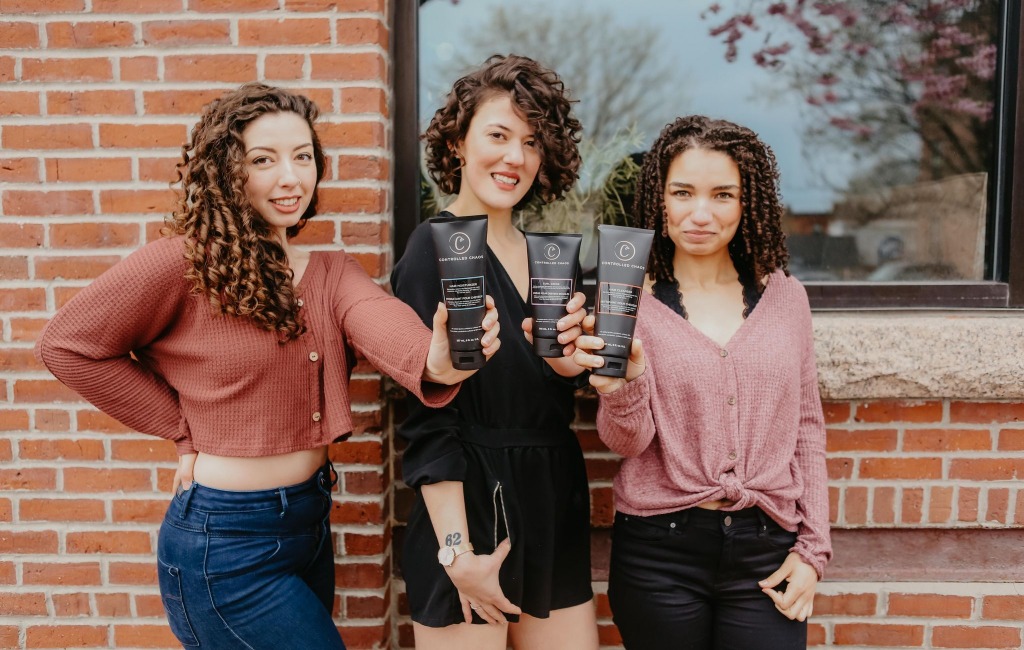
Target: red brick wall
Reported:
[(940, 617), (93, 107), (96, 98), (936, 463), (945, 465)]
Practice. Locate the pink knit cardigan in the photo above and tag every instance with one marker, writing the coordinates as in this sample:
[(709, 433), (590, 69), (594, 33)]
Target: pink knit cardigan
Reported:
[(741, 422)]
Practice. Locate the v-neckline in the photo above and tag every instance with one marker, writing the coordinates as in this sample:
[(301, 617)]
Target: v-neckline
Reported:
[(309, 267), (508, 278), (736, 337)]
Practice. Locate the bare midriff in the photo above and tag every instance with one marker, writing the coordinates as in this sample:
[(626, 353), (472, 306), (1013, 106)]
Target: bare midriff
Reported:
[(716, 504), (260, 473)]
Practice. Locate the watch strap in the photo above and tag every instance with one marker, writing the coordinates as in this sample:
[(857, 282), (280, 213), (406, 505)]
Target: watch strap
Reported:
[(452, 552), (462, 548)]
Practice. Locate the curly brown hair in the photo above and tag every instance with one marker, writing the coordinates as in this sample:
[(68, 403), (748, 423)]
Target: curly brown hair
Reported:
[(237, 260), (542, 101), (759, 245)]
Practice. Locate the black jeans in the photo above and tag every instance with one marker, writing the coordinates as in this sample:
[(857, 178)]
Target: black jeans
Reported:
[(687, 580)]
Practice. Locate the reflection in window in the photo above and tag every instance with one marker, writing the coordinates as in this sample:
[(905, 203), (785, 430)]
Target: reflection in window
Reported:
[(880, 113)]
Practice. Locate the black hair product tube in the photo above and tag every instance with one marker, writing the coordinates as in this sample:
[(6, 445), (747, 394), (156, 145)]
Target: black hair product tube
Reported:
[(621, 266), (554, 265), (460, 244)]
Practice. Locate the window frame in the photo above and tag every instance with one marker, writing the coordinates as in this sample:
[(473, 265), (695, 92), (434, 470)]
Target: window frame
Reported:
[(1004, 286)]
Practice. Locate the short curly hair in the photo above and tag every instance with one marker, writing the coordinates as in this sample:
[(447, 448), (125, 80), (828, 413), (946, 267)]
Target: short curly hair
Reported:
[(759, 245), (236, 259), (540, 98)]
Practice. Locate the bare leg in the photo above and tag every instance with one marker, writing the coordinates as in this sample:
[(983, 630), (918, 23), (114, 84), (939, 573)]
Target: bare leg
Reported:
[(572, 628), (463, 636)]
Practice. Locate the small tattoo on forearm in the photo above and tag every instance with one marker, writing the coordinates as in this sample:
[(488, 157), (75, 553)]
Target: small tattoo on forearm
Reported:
[(453, 539)]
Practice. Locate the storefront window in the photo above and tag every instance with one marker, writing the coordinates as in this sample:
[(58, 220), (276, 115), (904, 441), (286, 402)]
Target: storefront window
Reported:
[(882, 114)]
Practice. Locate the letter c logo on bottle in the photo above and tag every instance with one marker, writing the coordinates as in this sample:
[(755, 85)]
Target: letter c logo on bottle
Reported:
[(625, 251), (459, 243), (551, 251)]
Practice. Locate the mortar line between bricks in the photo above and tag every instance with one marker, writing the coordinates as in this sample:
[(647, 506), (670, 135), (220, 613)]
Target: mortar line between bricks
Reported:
[(925, 455), (905, 427), (135, 219), (37, 253), (141, 88), (917, 483), (160, 50), (890, 619), (186, 15), (152, 119)]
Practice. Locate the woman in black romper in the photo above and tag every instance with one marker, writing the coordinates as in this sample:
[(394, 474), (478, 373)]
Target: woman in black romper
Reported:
[(500, 479)]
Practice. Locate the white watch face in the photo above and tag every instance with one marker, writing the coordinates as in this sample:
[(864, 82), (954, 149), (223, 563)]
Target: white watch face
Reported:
[(446, 555)]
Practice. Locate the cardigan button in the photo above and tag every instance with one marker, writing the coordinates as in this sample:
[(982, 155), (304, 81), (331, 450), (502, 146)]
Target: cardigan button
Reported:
[(724, 353), (732, 455), (731, 400), (298, 302), (316, 416), (313, 356)]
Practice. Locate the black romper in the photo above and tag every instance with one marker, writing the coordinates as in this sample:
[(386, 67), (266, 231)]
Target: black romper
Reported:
[(506, 436)]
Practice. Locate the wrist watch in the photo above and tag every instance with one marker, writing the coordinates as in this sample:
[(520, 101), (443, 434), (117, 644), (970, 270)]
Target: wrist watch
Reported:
[(447, 554)]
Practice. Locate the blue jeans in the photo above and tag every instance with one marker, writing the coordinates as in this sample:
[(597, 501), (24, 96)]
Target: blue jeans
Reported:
[(250, 570)]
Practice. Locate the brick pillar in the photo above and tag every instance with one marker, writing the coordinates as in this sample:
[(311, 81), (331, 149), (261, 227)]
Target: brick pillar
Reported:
[(97, 97)]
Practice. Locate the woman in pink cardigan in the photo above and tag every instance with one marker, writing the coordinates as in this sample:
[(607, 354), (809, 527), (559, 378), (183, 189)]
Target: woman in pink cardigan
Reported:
[(721, 531), (236, 345)]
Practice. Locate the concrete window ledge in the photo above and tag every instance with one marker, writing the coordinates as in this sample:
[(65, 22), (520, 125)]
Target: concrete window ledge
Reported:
[(912, 355)]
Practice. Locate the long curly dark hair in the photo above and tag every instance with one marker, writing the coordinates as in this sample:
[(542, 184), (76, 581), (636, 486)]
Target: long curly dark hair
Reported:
[(541, 99), (237, 260), (759, 245)]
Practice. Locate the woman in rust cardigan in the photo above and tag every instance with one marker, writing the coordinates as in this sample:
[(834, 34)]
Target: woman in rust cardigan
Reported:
[(237, 346)]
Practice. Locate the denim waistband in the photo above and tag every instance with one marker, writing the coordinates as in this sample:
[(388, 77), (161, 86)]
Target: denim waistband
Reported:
[(201, 498), (499, 438), (704, 518)]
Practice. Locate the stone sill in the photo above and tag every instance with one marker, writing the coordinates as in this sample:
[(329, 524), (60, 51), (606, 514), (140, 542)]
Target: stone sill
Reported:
[(865, 355), (970, 355)]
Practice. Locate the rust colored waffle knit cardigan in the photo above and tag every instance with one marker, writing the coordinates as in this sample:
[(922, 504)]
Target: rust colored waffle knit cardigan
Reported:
[(221, 384)]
